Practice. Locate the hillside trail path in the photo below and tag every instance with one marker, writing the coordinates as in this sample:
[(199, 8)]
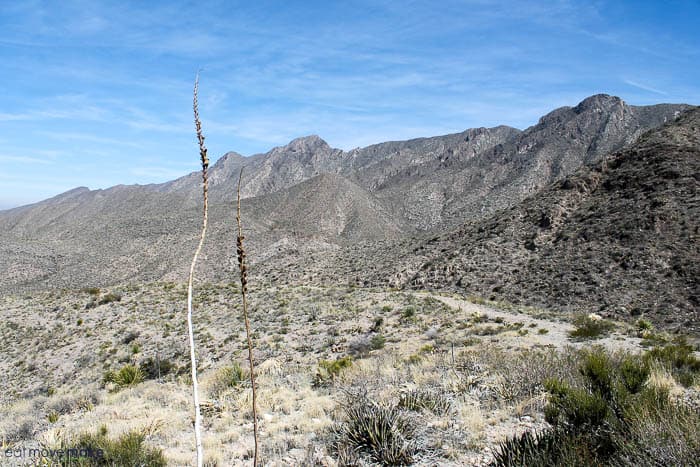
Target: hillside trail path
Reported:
[(558, 329)]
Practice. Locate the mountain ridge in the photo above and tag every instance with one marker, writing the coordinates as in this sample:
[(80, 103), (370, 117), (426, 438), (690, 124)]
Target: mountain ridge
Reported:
[(306, 201)]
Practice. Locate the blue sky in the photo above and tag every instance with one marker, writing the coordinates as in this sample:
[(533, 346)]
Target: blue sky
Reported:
[(99, 93)]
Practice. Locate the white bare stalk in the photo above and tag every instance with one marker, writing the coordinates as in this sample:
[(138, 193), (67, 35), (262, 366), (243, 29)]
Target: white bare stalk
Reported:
[(195, 389)]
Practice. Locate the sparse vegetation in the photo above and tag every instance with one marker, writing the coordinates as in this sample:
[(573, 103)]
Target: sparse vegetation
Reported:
[(381, 433), (328, 370), (109, 298), (679, 358), (424, 400), (227, 378), (127, 376), (127, 449), (590, 326), (460, 400), (608, 417)]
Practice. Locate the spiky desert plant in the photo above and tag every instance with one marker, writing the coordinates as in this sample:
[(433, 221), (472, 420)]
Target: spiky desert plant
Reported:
[(244, 289), (195, 389)]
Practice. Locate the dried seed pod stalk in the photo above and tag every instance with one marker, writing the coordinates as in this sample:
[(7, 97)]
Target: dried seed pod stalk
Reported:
[(244, 289), (195, 389)]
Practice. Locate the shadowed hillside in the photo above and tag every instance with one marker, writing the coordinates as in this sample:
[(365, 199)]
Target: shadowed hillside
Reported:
[(618, 237)]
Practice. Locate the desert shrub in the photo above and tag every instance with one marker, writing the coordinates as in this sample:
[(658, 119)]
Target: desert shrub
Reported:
[(424, 400), (21, 428), (361, 346), (227, 378), (128, 449), (408, 314), (377, 342), (109, 298), (130, 337), (679, 358), (70, 403), (598, 372), (520, 376), (644, 325), (329, 370), (590, 327), (608, 415), (127, 376), (152, 368), (382, 433), (659, 432), (634, 372), (574, 408)]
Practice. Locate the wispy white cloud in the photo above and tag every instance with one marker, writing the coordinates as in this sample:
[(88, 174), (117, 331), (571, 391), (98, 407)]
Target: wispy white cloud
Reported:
[(644, 87), (24, 159)]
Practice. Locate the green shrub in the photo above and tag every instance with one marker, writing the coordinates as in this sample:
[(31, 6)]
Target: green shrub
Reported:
[(634, 372), (227, 378), (408, 314), (574, 408), (377, 342), (590, 327), (377, 324), (644, 325), (128, 449), (597, 370), (127, 376), (382, 433), (329, 370), (610, 416), (679, 358)]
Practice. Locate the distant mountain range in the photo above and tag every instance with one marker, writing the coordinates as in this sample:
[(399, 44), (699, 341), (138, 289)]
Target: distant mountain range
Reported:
[(576, 212)]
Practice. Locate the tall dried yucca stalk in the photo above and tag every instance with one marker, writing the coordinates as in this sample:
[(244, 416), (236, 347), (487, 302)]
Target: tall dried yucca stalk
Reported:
[(244, 289), (195, 389)]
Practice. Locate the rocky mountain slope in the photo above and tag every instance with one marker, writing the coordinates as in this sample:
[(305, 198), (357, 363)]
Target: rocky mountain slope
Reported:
[(309, 202), (618, 237)]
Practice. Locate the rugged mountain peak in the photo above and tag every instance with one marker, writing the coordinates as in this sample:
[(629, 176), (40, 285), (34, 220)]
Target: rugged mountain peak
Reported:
[(306, 143), (598, 102), (229, 157)]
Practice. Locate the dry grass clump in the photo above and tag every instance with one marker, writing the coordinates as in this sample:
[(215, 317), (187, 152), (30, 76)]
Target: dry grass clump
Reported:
[(225, 379)]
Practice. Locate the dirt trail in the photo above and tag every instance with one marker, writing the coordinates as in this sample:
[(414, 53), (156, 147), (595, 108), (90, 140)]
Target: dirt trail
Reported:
[(558, 331)]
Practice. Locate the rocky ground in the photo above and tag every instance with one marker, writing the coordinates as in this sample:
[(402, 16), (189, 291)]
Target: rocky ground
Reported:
[(483, 363)]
